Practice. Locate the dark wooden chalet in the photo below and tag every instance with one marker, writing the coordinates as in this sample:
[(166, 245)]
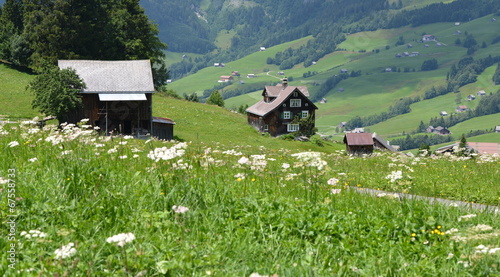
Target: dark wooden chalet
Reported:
[(279, 107), (118, 96), (359, 143)]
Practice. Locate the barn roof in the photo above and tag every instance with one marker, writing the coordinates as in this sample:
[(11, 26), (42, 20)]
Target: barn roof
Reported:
[(262, 108), (383, 142), (163, 120), (358, 139), (125, 77)]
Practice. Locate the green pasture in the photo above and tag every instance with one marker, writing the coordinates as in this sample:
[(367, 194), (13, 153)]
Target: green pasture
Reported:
[(15, 99), (492, 137), (206, 208)]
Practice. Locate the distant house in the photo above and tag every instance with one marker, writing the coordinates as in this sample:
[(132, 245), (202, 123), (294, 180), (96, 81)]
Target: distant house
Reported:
[(398, 55), (323, 100), (457, 23), (263, 49), (341, 89), (443, 113), (497, 129), (281, 73), (219, 65), (458, 32), (280, 105), (225, 79), (461, 109), (428, 38), (313, 63), (439, 44), (409, 45), (493, 20), (250, 75), (169, 81), (438, 130), (343, 70), (481, 93), (388, 69), (441, 131), (359, 143), (235, 73), (414, 54), (471, 97), (358, 130), (118, 96)]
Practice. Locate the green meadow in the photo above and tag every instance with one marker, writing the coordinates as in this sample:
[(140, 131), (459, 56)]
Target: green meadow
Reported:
[(80, 204), (15, 99)]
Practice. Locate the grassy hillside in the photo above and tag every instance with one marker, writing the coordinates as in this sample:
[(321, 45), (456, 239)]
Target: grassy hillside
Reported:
[(15, 99), (375, 91)]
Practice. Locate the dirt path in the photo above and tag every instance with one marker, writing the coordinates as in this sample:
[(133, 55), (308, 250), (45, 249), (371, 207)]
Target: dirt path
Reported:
[(447, 202)]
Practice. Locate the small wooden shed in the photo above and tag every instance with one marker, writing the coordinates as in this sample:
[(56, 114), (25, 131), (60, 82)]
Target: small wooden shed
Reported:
[(359, 143), (163, 128)]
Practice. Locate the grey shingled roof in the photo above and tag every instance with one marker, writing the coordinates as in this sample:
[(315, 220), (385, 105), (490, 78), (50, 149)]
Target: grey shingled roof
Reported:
[(113, 76), (262, 108)]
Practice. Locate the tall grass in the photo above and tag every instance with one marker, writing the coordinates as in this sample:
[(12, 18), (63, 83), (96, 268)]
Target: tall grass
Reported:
[(249, 210)]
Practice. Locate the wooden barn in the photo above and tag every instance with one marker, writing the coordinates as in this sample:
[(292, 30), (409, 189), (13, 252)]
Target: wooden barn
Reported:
[(117, 97), (359, 143), (280, 105)]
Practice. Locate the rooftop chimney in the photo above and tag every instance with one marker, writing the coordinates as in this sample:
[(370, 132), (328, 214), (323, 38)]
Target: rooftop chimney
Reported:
[(285, 82)]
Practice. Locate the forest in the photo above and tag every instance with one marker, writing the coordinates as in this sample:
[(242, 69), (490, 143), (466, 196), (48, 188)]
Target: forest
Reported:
[(35, 34)]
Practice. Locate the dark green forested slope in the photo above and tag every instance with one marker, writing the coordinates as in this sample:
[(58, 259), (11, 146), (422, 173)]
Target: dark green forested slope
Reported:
[(38, 33)]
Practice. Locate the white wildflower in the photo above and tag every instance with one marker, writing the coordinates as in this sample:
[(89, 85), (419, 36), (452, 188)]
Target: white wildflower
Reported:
[(466, 217), (240, 175), (32, 160), (122, 157), (180, 209), (451, 231), (335, 191), (121, 239), (128, 137), (165, 153), (394, 176), (227, 152), (65, 251), (33, 234), (333, 181), (112, 150), (13, 143), (243, 160), (285, 166), (482, 228)]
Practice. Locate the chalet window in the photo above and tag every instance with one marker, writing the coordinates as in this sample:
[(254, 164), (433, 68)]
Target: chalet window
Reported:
[(295, 103), (292, 127), (304, 114), (266, 127), (287, 115), (295, 94)]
